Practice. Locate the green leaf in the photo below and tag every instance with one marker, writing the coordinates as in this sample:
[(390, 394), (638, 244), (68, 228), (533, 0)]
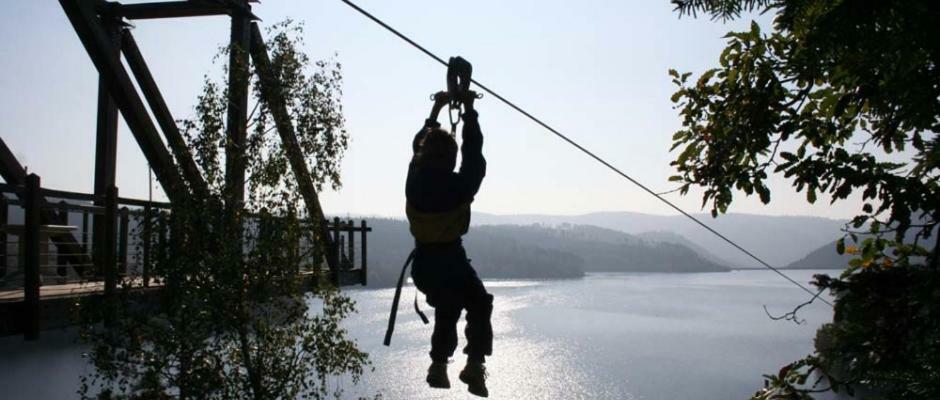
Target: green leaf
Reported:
[(840, 246)]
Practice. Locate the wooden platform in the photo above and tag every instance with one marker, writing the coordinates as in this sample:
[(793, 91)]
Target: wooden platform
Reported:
[(55, 291)]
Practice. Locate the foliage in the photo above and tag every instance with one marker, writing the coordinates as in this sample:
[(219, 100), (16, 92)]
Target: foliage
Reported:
[(232, 318), (718, 9), (841, 98)]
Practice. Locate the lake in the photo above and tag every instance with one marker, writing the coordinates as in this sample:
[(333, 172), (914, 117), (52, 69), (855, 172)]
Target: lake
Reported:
[(606, 336)]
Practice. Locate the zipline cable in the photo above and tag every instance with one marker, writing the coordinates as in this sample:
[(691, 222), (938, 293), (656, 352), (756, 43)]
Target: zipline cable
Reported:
[(585, 151)]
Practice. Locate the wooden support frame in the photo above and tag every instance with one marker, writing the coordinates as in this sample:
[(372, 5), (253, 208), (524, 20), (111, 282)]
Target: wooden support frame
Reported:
[(95, 40), (272, 94)]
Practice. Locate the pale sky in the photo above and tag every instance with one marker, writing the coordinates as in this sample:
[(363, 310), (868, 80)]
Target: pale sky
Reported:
[(594, 69)]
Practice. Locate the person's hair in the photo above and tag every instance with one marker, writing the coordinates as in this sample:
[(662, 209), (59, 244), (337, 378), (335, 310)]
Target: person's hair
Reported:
[(438, 150)]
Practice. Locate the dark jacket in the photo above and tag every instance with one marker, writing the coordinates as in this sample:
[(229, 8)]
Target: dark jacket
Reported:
[(438, 202)]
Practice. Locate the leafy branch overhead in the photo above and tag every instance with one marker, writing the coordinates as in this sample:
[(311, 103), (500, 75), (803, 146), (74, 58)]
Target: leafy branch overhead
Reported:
[(841, 98), (719, 9), (824, 99)]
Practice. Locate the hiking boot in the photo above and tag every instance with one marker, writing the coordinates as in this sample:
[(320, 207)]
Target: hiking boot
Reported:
[(437, 375), (474, 375)]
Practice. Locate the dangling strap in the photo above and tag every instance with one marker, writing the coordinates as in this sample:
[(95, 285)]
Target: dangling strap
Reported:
[(394, 313)]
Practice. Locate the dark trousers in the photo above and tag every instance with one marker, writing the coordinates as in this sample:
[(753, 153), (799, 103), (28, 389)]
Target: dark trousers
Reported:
[(444, 274)]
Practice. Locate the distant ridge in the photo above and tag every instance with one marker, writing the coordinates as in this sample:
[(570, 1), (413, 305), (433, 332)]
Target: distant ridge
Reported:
[(780, 240), (824, 257), (538, 252)]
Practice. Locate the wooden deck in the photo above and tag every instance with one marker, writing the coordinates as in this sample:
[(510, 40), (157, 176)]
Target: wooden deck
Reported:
[(56, 291)]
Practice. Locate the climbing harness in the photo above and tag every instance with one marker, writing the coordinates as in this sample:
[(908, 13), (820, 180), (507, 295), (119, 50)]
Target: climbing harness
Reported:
[(394, 313)]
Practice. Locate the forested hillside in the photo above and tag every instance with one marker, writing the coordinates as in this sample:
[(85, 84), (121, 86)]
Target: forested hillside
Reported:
[(538, 252)]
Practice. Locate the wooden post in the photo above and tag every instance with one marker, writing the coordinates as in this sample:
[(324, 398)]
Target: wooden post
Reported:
[(335, 249), (123, 236), (107, 244), (147, 235), (237, 123), (4, 211), (105, 147), (352, 244), (364, 270), (32, 309)]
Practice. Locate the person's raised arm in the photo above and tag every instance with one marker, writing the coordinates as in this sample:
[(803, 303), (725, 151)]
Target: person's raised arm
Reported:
[(472, 165), (440, 100)]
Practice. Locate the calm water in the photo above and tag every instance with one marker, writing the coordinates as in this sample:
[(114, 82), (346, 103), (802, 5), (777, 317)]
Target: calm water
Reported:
[(610, 336)]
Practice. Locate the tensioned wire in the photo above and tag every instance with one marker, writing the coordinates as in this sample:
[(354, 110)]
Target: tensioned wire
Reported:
[(587, 152)]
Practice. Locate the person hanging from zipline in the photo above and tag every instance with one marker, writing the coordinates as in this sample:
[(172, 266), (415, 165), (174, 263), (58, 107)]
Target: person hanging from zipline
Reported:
[(438, 210)]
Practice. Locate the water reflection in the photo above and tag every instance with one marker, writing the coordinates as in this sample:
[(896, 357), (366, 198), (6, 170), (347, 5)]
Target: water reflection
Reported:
[(634, 336)]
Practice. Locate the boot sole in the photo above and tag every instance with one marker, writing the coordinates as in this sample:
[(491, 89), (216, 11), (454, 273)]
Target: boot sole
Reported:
[(470, 388)]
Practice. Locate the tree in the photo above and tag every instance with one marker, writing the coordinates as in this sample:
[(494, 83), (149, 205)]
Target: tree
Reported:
[(842, 98), (232, 318)]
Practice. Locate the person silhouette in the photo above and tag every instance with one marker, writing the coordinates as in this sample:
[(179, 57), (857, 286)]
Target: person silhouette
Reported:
[(438, 210)]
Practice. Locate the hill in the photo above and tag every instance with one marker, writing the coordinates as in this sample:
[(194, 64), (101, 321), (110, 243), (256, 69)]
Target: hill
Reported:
[(780, 240), (824, 257), (538, 252)]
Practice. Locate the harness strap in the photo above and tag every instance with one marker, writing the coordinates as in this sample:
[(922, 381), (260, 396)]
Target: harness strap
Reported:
[(394, 313)]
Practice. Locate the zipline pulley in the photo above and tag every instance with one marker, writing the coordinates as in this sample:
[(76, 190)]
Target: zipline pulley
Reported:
[(459, 72)]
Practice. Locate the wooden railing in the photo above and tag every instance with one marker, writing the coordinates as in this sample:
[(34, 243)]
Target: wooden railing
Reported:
[(133, 231)]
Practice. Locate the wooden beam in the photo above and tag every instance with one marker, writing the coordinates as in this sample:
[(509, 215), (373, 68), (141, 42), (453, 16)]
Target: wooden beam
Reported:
[(162, 113), (88, 27), (364, 270), (105, 141), (32, 204), (237, 119), (10, 168), (166, 9), (273, 96)]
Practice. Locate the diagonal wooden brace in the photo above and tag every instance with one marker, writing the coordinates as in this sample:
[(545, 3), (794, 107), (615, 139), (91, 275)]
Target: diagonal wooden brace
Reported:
[(162, 113), (273, 96)]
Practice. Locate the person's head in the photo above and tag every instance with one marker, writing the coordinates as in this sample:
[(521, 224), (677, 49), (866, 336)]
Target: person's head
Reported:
[(438, 151)]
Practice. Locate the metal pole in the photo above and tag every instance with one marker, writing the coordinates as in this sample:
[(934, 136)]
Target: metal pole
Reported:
[(62, 218), (84, 244), (31, 206)]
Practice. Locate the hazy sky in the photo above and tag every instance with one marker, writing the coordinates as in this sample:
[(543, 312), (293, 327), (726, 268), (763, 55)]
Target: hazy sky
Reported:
[(597, 70)]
